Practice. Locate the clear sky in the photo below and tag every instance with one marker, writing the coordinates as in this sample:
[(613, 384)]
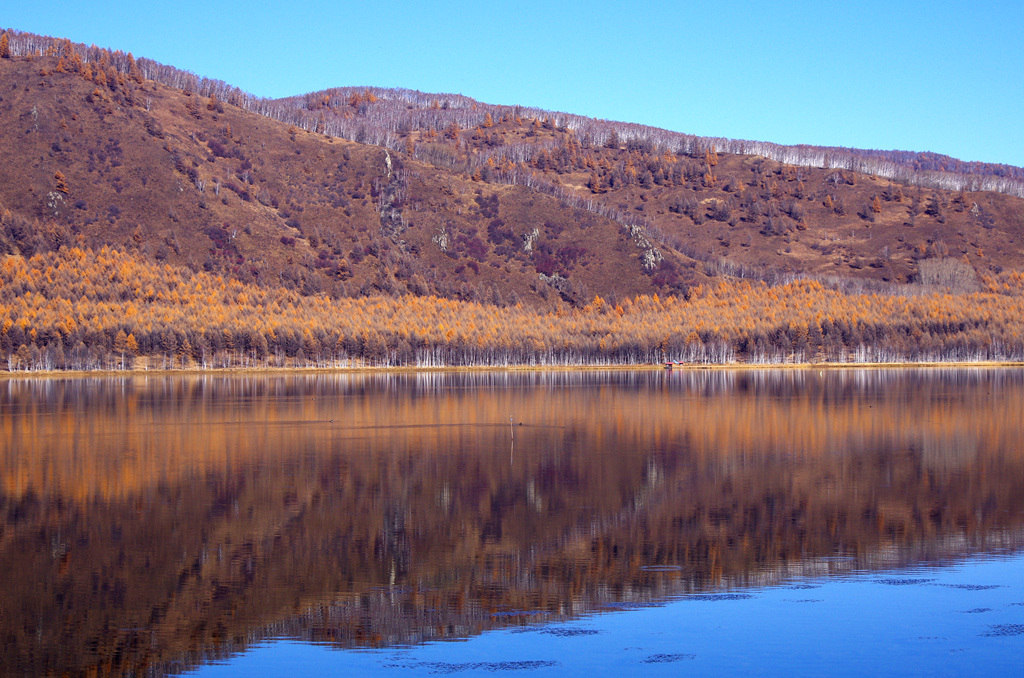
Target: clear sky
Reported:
[(923, 76)]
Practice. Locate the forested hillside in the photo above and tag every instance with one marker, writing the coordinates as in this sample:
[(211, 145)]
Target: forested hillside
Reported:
[(294, 216), (103, 310)]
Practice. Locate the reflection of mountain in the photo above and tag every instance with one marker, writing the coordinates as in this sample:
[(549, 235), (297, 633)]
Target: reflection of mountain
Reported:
[(149, 520)]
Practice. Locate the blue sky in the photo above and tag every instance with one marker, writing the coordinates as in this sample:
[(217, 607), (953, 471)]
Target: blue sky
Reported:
[(924, 76)]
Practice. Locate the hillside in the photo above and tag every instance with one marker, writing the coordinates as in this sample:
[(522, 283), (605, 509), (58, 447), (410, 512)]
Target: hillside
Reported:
[(468, 183), (130, 161), (192, 181)]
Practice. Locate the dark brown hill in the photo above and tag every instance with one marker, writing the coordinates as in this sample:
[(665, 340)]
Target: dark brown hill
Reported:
[(738, 214), (191, 180), (438, 194)]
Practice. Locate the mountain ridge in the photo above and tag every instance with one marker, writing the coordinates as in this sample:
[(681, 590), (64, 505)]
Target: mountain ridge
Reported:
[(928, 168), (493, 205)]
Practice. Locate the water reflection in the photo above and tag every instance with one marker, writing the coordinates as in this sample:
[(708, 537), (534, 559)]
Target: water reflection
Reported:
[(154, 522)]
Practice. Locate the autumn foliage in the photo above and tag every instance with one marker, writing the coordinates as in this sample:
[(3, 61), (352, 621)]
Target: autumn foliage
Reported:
[(78, 308)]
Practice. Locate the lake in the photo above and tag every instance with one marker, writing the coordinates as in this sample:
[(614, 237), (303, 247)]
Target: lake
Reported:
[(767, 522)]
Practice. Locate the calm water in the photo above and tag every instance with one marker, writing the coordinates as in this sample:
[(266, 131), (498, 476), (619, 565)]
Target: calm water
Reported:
[(791, 522)]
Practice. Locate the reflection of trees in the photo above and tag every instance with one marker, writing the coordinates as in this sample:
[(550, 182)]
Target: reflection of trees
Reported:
[(376, 510)]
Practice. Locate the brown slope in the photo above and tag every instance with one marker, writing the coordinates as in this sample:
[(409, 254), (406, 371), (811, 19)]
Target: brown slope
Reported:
[(191, 180), (738, 213), (747, 214), (770, 218)]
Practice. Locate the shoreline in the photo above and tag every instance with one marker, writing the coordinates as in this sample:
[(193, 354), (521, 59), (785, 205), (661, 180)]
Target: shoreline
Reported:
[(407, 369)]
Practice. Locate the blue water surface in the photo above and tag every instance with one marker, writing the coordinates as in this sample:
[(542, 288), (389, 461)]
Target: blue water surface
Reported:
[(960, 619)]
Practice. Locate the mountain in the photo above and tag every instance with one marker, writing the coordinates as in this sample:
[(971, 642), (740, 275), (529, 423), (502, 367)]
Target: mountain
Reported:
[(363, 192), (189, 180), (458, 198)]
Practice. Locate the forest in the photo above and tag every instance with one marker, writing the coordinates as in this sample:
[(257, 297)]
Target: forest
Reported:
[(85, 310)]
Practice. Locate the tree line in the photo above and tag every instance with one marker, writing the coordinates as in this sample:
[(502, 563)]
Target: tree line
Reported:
[(83, 309)]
